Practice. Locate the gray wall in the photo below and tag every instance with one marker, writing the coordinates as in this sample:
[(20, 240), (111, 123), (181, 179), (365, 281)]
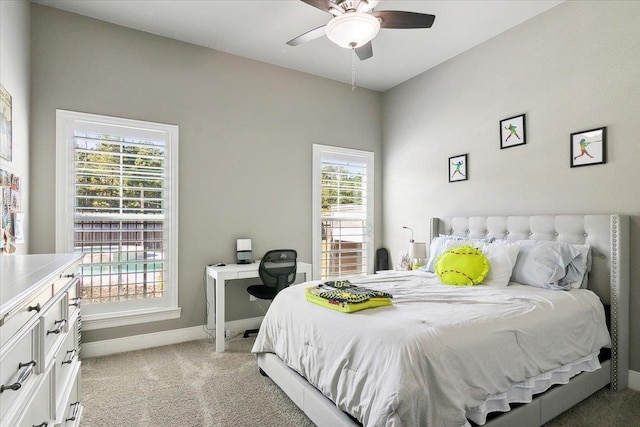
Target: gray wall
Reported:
[(575, 67), (246, 135), (14, 76), (572, 68)]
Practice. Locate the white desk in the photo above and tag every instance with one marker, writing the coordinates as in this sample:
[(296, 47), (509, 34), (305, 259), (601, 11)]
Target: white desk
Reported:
[(216, 280)]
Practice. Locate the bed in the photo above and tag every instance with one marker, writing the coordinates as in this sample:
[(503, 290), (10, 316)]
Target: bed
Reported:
[(431, 401)]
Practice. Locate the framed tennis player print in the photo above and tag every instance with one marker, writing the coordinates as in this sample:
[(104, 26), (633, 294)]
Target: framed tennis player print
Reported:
[(512, 131), (458, 168), (589, 147)]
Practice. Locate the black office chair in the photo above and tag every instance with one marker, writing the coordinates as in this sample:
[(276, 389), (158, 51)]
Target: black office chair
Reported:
[(277, 270)]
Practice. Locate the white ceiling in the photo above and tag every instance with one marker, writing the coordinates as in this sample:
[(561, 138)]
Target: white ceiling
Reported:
[(260, 30)]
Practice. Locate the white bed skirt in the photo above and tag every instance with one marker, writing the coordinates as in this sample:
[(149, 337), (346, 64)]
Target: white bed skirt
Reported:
[(525, 391), (324, 413)]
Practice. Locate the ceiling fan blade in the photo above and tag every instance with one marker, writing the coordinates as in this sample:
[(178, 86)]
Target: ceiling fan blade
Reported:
[(400, 19), (364, 51), (324, 5), (308, 36)]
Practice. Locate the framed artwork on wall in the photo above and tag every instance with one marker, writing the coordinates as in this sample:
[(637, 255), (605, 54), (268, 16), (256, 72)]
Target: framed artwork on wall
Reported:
[(512, 131), (5, 124), (588, 147), (10, 206), (458, 168)]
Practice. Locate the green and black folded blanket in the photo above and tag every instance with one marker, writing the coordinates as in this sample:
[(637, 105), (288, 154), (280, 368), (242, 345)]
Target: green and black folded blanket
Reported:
[(343, 296)]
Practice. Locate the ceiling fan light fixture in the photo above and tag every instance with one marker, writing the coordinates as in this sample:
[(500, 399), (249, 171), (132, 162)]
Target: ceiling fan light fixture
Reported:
[(353, 29)]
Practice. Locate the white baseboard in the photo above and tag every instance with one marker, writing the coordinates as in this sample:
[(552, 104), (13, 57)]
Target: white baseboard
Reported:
[(157, 339), (634, 380)]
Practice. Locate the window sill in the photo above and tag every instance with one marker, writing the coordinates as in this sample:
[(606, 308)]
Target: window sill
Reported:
[(125, 318)]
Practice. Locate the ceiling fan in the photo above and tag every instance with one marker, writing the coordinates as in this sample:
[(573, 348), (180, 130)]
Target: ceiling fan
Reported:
[(355, 23)]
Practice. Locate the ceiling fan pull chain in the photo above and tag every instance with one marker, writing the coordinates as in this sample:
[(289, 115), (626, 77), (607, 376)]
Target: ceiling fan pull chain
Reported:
[(353, 68)]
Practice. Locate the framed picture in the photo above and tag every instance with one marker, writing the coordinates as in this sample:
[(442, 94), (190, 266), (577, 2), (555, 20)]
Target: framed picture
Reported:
[(588, 147), (458, 168), (512, 131), (5, 124)]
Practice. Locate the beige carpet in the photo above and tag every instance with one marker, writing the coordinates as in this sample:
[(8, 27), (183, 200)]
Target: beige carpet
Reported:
[(184, 385), (189, 385)]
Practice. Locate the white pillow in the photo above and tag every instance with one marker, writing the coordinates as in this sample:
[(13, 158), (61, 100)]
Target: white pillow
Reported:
[(502, 256), (437, 245), (578, 270), (545, 264)]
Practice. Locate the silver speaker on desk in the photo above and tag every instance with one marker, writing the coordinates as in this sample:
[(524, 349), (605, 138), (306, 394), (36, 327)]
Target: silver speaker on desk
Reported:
[(243, 251)]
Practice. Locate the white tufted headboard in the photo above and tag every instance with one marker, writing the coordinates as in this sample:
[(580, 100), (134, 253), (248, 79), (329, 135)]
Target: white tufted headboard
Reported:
[(608, 236)]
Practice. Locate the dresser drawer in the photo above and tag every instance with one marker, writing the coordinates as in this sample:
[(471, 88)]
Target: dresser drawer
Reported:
[(65, 277), (22, 315), (72, 410), (54, 323), (18, 373), (74, 295), (38, 411), (66, 360)]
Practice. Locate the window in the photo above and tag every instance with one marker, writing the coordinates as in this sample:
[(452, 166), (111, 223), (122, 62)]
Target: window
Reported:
[(116, 202), (342, 212)]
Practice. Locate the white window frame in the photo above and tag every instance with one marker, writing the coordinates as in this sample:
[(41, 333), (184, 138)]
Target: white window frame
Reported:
[(98, 316), (326, 150)]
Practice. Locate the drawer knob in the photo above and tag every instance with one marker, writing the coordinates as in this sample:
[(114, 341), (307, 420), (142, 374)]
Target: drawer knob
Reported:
[(42, 424), (70, 275), (60, 325), (74, 415), (36, 307), (76, 301), (21, 378)]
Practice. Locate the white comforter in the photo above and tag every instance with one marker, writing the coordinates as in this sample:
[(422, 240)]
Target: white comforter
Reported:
[(436, 351)]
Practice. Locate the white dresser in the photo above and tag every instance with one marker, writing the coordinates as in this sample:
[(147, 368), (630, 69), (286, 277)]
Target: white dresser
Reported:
[(40, 340)]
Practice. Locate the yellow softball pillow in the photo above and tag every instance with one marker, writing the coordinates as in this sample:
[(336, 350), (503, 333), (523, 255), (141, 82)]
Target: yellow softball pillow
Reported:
[(462, 266)]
